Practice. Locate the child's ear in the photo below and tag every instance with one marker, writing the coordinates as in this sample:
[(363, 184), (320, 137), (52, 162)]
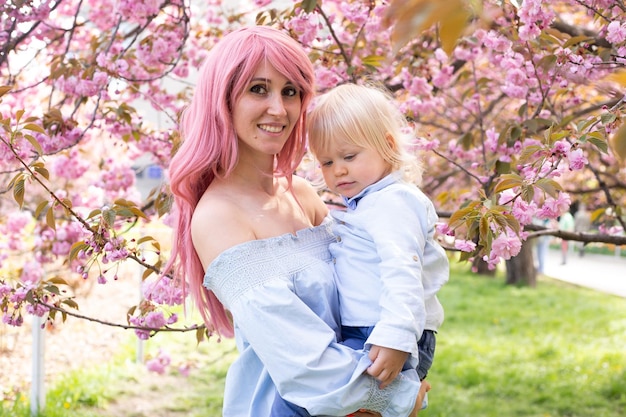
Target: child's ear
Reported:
[(391, 141)]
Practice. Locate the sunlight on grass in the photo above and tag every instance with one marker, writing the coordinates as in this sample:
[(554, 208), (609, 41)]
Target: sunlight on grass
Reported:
[(555, 350)]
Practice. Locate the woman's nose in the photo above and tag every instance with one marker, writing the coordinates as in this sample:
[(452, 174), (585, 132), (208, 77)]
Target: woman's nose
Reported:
[(276, 105)]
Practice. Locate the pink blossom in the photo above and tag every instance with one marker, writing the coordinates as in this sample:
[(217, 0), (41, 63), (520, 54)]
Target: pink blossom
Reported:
[(162, 290), (465, 245), (37, 309), (616, 32), (577, 159), (610, 230), (327, 78), (524, 211), (506, 245), (155, 320), (444, 229), (507, 196), (184, 369), (561, 148), (32, 272), (552, 208), (416, 86), (159, 363), (5, 289), (443, 77)]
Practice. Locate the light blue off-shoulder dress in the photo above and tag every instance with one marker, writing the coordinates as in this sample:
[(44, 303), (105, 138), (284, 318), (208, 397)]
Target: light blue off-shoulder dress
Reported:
[(282, 295)]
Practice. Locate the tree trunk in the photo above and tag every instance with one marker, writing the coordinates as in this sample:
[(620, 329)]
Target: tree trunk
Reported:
[(520, 270)]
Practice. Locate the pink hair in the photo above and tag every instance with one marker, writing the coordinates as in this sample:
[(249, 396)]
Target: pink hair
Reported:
[(209, 147)]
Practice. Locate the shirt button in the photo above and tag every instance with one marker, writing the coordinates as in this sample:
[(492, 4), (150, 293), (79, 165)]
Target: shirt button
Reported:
[(416, 258), (334, 260), (338, 238)]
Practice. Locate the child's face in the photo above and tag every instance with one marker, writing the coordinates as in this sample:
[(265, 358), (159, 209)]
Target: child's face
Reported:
[(349, 168)]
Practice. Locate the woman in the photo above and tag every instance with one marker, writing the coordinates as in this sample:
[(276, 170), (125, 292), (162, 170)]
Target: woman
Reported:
[(256, 237)]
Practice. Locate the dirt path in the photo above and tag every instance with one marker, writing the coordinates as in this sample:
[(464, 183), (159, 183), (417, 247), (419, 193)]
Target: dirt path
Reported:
[(68, 345)]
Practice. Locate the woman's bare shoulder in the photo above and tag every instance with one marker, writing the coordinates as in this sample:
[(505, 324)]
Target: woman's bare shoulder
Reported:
[(217, 224), (310, 200)]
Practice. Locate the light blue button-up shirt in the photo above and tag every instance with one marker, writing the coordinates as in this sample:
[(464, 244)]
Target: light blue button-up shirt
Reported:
[(389, 266)]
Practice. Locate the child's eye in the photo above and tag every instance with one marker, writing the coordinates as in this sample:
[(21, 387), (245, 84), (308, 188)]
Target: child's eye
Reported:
[(290, 92), (349, 157), (327, 163), (259, 89)]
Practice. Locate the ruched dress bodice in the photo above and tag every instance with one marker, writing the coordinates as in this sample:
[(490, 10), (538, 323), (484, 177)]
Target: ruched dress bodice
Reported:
[(281, 293)]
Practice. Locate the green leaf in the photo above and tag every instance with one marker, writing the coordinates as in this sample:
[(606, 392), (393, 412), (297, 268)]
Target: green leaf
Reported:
[(374, 60), (200, 334), (547, 62), (309, 5), (40, 208), (57, 280), (18, 191), (460, 216), (508, 181), (34, 128), (575, 40), (549, 186), (50, 221), (109, 217), (76, 248), (600, 144), (4, 89), (35, 143), (607, 118), (597, 214), (41, 170), (618, 142), (70, 303), (146, 274)]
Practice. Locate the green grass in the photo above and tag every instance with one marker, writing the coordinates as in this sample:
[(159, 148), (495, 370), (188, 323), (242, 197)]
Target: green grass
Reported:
[(553, 351), (556, 350)]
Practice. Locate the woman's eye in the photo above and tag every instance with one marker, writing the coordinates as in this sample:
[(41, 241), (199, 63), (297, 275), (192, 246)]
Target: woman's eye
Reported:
[(290, 92), (258, 89)]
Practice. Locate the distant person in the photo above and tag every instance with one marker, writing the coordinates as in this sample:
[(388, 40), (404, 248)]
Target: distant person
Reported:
[(542, 246), (582, 224), (566, 224)]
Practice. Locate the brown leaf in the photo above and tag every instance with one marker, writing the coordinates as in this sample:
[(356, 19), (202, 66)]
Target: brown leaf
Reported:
[(410, 18), (618, 143)]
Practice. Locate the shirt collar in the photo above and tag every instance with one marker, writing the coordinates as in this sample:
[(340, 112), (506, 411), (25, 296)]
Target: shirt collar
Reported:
[(377, 186)]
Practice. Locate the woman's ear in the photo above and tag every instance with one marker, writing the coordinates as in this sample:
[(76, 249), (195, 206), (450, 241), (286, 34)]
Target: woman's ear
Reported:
[(391, 141)]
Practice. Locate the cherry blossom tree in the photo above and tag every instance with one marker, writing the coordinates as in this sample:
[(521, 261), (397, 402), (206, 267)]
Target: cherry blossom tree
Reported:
[(517, 107)]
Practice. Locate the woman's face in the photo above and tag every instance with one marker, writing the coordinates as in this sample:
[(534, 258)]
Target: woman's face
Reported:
[(266, 113)]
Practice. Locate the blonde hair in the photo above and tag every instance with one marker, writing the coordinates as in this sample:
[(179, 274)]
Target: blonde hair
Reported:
[(365, 116)]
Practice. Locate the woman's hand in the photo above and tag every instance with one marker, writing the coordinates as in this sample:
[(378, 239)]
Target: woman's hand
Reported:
[(424, 388), (364, 413)]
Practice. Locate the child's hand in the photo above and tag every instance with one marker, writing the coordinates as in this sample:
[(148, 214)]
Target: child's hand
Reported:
[(387, 364)]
